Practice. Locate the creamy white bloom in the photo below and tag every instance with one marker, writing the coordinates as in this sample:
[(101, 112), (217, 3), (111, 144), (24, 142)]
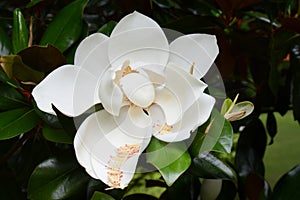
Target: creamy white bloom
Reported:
[(145, 86)]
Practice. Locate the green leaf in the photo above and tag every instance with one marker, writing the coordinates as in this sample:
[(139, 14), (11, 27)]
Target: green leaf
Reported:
[(101, 196), (226, 105), (171, 159), (107, 28), (288, 185), (66, 122), (211, 167), (56, 135), (17, 121), (56, 179), (216, 134), (249, 153), (66, 27), (14, 67), (5, 43), (225, 140), (20, 32), (43, 59), (186, 187), (10, 98)]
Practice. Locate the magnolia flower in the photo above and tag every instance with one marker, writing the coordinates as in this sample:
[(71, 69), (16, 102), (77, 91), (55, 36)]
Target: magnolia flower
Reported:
[(147, 87)]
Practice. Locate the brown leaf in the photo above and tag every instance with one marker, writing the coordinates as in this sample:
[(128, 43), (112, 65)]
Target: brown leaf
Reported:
[(44, 59)]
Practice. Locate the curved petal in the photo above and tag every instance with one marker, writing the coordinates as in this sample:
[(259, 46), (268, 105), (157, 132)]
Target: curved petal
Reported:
[(96, 61), (180, 92), (109, 150), (161, 130), (139, 117), (138, 38), (155, 74), (69, 88), (134, 20), (169, 103), (199, 50), (90, 134), (194, 117), (86, 46), (138, 89), (110, 94)]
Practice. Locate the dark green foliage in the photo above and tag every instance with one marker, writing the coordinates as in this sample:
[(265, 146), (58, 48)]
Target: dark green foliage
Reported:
[(259, 59)]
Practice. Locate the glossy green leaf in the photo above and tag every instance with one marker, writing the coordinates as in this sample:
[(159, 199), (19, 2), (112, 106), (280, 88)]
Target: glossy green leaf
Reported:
[(43, 59), (20, 32), (17, 121), (107, 28), (171, 159), (66, 122), (216, 134), (226, 105), (225, 140), (66, 27), (56, 135), (5, 43), (211, 167), (250, 151), (70, 53), (56, 179), (101, 196), (186, 187), (10, 98), (15, 68), (288, 186)]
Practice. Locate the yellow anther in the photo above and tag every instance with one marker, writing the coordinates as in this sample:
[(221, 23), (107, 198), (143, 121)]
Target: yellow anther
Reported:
[(128, 70), (165, 129), (192, 69)]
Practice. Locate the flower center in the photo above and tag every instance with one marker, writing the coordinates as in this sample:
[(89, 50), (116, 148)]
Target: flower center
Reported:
[(123, 153), (128, 70)]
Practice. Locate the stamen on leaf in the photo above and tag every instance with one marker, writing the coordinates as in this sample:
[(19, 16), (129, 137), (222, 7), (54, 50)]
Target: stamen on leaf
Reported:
[(115, 174)]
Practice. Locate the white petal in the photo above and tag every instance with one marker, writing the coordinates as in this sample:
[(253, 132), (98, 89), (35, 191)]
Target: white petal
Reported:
[(139, 117), (98, 139), (181, 91), (138, 89), (96, 61), (88, 134), (138, 38), (194, 117), (87, 45), (169, 103), (70, 89), (155, 74), (198, 49), (110, 94), (134, 20)]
